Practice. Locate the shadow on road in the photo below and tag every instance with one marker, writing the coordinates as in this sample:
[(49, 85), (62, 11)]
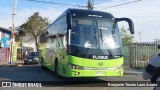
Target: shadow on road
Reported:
[(35, 73)]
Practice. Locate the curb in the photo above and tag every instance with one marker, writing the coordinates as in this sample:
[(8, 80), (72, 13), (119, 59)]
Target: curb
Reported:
[(130, 71), (133, 73), (7, 65), (20, 65), (12, 65)]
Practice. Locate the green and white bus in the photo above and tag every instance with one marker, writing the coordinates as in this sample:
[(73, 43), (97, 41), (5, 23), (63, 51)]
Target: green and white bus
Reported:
[(83, 43)]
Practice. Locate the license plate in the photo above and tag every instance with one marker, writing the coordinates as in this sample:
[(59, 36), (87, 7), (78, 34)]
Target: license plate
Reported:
[(100, 73), (29, 60)]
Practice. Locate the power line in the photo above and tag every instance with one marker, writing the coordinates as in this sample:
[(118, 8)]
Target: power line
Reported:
[(122, 4), (64, 4), (100, 2)]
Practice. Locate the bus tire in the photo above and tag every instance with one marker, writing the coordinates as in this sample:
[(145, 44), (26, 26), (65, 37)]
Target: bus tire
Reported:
[(42, 62), (56, 68), (25, 63)]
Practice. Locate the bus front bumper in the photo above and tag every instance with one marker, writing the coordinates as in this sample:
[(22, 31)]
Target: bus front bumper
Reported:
[(94, 73)]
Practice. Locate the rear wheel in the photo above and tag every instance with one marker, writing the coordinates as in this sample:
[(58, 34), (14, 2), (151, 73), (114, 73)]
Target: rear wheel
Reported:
[(42, 60), (56, 67)]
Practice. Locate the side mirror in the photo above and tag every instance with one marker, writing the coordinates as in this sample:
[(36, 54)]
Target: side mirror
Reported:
[(69, 20), (56, 35), (46, 33), (53, 36), (130, 23)]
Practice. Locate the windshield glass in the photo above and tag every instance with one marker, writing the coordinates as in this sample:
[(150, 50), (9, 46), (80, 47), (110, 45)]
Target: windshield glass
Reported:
[(86, 34), (109, 34), (91, 37), (33, 54), (83, 33)]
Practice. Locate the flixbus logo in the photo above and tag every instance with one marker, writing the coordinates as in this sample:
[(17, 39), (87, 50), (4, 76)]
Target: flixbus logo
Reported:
[(99, 57), (100, 64)]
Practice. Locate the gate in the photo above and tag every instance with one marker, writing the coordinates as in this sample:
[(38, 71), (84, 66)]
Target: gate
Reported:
[(4, 55), (138, 54)]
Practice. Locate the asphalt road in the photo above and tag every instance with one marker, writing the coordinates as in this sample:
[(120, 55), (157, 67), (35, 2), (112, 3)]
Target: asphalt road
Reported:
[(34, 73)]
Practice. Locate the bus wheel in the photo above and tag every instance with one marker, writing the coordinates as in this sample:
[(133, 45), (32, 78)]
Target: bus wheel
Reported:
[(56, 67), (42, 62)]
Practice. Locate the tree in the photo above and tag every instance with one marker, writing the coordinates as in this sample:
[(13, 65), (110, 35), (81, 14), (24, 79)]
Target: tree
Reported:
[(21, 34), (156, 40), (126, 37), (35, 25)]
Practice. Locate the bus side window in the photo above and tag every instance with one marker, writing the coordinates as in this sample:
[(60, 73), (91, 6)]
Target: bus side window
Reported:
[(65, 41)]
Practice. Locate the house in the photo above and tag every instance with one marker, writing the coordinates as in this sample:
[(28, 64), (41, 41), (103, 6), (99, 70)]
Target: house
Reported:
[(20, 49), (25, 45), (5, 43)]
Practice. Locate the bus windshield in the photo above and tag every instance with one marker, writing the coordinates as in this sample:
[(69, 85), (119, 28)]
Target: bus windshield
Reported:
[(95, 37), (109, 35)]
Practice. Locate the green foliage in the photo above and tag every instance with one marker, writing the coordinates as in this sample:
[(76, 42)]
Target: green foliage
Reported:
[(22, 32), (127, 38), (156, 40), (35, 25), (20, 35)]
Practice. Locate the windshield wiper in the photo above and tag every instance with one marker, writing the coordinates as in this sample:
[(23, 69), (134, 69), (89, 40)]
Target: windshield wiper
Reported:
[(101, 35), (110, 52)]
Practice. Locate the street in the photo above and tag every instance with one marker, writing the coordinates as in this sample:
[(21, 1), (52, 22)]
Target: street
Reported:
[(34, 73)]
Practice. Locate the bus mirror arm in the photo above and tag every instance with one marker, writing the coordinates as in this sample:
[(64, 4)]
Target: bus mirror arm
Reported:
[(51, 36), (46, 34), (130, 22)]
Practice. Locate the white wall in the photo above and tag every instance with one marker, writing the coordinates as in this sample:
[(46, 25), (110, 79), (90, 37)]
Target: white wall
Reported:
[(28, 41)]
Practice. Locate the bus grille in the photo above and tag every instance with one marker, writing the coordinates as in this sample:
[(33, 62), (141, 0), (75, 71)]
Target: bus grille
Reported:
[(108, 68)]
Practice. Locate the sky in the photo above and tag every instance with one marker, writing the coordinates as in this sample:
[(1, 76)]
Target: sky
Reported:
[(145, 14)]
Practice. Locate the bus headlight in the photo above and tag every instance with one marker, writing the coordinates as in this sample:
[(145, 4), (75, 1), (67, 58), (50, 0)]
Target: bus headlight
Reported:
[(36, 58), (72, 66)]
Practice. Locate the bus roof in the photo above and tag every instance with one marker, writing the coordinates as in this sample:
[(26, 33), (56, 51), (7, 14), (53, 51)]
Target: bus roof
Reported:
[(87, 13)]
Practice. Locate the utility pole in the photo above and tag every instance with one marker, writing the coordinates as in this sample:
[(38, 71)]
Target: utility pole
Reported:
[(13, 31), (139, 36), (90, 4)]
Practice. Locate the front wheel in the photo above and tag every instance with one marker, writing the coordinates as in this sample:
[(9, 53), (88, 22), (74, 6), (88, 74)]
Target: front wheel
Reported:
[(25, 63), (56, 69)]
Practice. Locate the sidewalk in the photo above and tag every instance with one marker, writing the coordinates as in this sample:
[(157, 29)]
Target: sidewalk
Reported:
[(17, 63), (132, 71)]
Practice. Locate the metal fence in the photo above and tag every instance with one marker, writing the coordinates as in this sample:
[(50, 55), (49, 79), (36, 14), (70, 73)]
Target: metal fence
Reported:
[(137, 55)]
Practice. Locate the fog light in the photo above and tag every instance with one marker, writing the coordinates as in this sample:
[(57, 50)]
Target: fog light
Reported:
[(119, 72), (77, 73), (74, 67)]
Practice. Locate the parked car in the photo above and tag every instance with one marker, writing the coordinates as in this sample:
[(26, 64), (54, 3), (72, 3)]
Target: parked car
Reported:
[(32, 58)]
